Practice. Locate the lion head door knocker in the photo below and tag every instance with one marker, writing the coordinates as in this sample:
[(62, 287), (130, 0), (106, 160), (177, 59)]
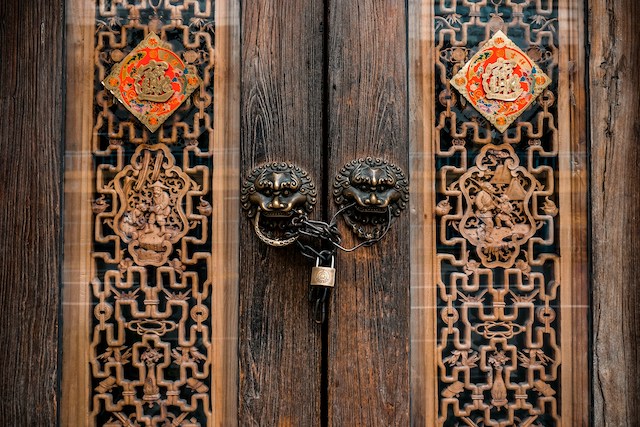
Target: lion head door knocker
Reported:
[(274, 195), (371, 193)]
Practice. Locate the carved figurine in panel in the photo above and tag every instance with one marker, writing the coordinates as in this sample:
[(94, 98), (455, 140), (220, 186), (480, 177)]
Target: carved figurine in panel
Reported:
[(151, 218), (497, 192)]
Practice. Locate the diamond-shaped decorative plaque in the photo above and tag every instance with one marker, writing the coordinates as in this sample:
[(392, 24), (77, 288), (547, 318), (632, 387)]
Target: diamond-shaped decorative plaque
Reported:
[(500, 81), (152, 81)]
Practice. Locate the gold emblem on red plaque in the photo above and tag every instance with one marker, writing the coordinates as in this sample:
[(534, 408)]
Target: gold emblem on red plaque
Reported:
[(500, 81), (152, 81)]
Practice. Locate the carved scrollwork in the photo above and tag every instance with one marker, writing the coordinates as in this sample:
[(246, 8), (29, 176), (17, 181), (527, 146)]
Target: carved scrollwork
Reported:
[(371, 192), (279, 192), (499, 346), (151, 285)]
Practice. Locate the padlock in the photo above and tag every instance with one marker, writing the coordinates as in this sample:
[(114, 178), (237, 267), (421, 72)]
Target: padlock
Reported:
[(323, 276)]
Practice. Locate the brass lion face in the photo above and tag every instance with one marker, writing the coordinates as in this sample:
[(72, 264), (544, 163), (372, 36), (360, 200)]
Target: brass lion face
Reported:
[(277, 192), (372, 193)]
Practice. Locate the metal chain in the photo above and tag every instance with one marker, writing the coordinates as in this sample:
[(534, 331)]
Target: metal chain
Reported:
[(328, 233), (329, 236)]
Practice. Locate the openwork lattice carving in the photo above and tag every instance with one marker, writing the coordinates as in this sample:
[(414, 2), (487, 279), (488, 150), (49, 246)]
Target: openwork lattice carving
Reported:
[(498, 288), (150, 348)]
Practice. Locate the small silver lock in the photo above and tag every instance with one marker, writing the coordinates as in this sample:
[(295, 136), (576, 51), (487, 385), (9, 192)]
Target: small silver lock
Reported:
[(323, 276)]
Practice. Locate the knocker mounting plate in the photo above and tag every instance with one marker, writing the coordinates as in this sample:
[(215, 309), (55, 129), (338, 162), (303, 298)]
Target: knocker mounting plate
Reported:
[(371, 193), (273, 195)]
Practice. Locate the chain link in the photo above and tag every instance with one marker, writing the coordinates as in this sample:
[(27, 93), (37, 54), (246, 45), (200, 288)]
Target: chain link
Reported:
[(329, 234), (330, 242)]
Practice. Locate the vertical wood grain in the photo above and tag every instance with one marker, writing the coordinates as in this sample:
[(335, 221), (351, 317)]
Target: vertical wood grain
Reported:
[(76, 296), (225, 190), (281, 113), (31, 124), (615, 154), (573, 118), (368, 354), (422, 116)]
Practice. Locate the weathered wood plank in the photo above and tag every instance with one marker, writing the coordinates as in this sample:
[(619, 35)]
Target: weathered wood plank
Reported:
[(573, 121), (281, 112), (31, 59), (424, 384), (615, 203), (368, 354), (75, 384), (225, 187)]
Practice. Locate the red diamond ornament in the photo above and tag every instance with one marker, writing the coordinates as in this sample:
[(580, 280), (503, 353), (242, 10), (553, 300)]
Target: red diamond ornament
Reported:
[(152, 81), (500, 81)]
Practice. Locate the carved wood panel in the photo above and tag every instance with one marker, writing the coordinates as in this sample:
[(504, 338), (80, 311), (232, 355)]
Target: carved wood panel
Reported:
[(498, 270), (151, 287)]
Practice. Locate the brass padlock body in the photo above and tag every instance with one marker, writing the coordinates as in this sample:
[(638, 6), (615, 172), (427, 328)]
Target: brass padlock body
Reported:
[(323, 276)]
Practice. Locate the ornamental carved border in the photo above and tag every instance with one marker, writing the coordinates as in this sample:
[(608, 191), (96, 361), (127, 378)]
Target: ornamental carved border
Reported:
[(498, 257), (150, 352)]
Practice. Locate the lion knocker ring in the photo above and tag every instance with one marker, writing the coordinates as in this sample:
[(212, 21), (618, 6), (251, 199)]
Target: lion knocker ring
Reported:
[(274, 195), (370, 193)]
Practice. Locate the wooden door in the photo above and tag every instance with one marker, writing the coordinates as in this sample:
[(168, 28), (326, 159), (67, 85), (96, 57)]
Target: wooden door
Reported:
[(317, 84), (310, 98)]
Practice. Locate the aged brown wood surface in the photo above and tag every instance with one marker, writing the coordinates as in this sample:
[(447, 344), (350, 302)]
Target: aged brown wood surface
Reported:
[(30, 200), (281, 115), (368, 354), (574, 107), (615, 154)]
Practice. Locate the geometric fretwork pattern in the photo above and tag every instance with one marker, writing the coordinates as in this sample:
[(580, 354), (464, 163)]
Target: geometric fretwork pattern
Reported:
[(151, 287), (498, 261)]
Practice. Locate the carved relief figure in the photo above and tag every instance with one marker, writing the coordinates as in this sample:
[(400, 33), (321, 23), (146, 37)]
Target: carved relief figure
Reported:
[(151, 218), (160, 208), (372, 193), (484, 211), (497, 192)]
